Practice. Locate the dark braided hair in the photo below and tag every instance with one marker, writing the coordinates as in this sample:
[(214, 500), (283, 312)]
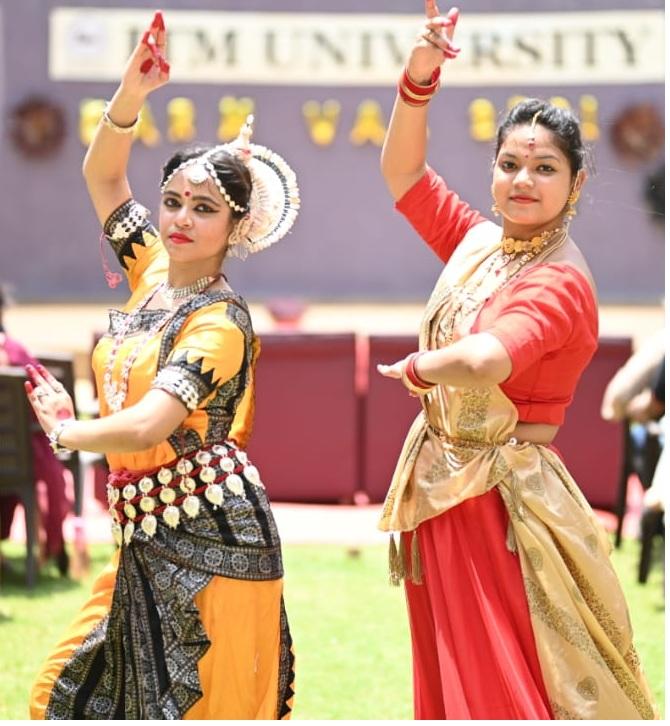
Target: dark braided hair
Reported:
[(232, 173), (562, 123)]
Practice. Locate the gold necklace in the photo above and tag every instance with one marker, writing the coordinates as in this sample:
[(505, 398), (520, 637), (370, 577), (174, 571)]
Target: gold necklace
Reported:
[(512, 246), (498, 260)]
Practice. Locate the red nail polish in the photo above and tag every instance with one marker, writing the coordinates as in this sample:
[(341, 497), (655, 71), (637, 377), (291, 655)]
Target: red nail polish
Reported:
[(28, 386), (158, 21), (145, 38), (63, 413), (146, 66)]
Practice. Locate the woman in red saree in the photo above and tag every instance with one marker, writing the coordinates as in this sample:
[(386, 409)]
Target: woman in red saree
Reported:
[(515, 610)]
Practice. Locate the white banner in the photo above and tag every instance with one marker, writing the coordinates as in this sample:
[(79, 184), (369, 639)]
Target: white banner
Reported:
[(338, 49)]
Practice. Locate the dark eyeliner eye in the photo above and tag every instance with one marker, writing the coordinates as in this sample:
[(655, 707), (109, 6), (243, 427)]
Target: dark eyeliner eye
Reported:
[(507, 165), (204, 208), (170, 202)]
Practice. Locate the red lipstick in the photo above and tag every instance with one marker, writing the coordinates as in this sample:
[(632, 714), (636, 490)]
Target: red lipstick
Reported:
[(180, 239)]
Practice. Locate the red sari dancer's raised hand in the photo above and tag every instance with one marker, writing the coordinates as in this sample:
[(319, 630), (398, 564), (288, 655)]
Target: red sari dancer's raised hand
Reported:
[(433, 43)]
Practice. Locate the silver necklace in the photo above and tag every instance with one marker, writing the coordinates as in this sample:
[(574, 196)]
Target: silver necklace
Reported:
[(180, 293)]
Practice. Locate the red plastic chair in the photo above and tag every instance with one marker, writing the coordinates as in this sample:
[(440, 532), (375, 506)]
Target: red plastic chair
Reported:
[(305, 437)]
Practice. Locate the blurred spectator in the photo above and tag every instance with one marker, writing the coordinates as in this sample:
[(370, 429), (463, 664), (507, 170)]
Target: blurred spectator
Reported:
[(656, 496), (637, 393), (52, 502), (628, 393)]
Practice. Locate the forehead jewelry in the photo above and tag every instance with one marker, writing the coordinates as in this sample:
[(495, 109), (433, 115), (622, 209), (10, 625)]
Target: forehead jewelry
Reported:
[(531, 135), (199, 169)]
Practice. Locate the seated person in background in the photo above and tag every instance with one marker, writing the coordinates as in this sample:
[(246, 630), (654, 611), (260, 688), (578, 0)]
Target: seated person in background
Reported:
[(655, 497), (649, 404), (634, 378), (54, 506), (629, 396)]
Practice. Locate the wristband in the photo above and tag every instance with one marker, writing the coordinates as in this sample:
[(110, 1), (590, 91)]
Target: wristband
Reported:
[(113, 126), (412, 380), (55, 434), (419, 88), (416, 94)]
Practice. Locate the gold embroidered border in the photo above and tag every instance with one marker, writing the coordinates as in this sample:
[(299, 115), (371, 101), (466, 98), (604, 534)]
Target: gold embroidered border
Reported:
[(560, 621), (563, 714), (593, 602)]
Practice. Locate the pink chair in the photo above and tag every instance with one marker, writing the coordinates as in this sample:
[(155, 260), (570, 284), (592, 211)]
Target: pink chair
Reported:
[(388, 411), (593, 449), (305, 437)]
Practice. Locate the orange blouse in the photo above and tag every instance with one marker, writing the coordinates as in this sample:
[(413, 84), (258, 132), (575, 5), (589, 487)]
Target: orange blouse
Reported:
[(204, 355)]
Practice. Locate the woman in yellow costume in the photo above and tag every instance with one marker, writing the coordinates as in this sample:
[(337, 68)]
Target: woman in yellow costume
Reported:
[(187, 621)]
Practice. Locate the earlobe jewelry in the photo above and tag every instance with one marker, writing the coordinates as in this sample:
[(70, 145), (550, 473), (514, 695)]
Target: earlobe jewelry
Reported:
[(571, 209), (239, 231), (494, 207)]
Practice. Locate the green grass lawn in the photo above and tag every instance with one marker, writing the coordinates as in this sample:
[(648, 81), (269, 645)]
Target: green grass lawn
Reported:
[(349, 629)]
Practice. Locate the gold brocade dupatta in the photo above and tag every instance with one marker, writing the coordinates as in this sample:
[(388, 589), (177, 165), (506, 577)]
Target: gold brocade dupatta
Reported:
[(459, 447)]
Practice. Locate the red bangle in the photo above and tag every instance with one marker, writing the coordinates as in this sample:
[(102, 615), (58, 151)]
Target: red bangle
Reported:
[(412, 374), (409, 100), (420, 89)]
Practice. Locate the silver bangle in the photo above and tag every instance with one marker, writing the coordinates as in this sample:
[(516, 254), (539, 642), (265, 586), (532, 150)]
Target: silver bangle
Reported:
[(113, 126), (55, 434)]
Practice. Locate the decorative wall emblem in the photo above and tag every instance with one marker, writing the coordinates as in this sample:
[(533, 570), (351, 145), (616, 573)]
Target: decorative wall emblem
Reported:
[(369, 126), (181, 120), (322, 120), (37, 127), (233, 113)]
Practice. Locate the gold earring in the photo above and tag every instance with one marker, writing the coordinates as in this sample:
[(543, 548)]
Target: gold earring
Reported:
[(571, 209)]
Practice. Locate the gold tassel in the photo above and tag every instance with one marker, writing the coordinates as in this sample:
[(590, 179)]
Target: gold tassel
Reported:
[(394, 575), (402, 557), (417, 574), (511, 539)]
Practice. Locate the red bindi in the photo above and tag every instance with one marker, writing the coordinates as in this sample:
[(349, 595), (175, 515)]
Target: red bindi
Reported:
[(187, 193)]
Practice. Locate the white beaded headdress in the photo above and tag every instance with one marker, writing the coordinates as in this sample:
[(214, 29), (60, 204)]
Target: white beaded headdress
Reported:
[(274, 201)]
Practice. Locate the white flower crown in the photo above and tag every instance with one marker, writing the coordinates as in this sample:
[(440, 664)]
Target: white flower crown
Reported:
[(275, 198)]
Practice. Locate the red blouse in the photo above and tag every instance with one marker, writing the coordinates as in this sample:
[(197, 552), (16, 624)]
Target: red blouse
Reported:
[(547, 317)]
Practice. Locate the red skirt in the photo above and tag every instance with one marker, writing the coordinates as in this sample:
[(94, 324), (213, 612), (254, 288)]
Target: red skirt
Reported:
[(472, 642)]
